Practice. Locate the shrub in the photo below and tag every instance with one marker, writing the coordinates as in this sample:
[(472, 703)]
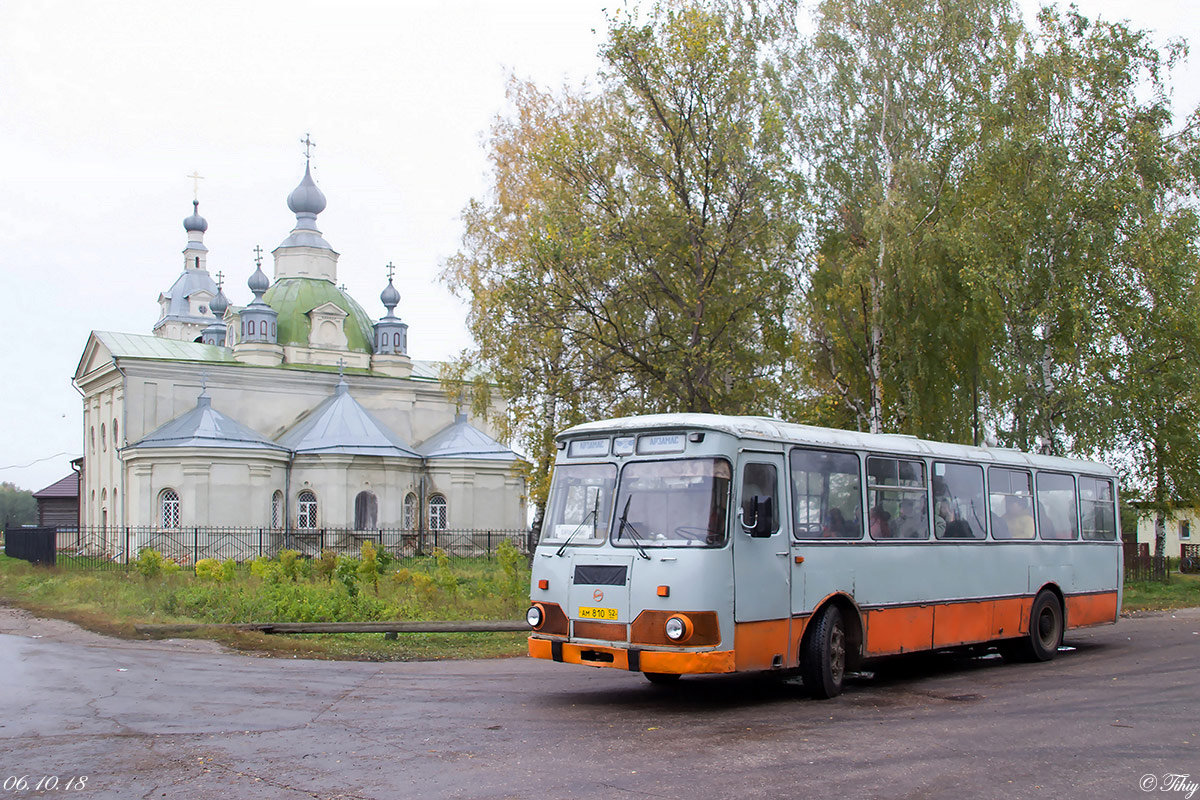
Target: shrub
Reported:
[(266, 569), (515, 582), (151, 564), (229, 570), (368, 565), (209, 570), (325, 566), (443, 575), (289, 564), (347, 572)]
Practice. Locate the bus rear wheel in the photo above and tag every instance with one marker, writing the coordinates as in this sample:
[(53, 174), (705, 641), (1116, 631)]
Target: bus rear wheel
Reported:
[(823, 655), (1045, 631), (661, 678)]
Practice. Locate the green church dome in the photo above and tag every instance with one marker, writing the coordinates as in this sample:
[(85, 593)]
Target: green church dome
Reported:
[(293, 298)]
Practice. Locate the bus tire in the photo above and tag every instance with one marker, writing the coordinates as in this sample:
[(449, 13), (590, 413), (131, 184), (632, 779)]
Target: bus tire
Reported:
[(662, 678), (823, 655), (1045, 631)]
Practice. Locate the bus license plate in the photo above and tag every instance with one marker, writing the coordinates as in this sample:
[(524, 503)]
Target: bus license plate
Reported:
[(597, 613)]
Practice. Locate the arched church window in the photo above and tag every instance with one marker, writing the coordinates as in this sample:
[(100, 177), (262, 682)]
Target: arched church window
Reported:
[(168, 508), (272, 328), (366, 511), (396, 341), (277, 510), (410, 512), (116, 441), (103, 440), (93, 438), (306, 510), (251, 328), (437, 513)]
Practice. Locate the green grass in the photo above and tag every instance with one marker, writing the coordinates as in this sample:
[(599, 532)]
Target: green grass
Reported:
[(292, 590), (1182, 592)]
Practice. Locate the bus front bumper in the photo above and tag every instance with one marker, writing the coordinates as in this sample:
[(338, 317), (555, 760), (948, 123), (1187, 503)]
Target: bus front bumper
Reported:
[(632, 659)]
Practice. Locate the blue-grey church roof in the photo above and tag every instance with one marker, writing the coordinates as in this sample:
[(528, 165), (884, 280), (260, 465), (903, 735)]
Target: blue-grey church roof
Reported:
[(204, 426), (187, 284), (461, 439), (340, 425)]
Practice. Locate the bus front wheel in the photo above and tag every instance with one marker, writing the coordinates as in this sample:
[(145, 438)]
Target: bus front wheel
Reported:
[(823, 654)]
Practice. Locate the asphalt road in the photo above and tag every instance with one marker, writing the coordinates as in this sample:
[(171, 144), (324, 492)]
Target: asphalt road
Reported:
[(188, 720)]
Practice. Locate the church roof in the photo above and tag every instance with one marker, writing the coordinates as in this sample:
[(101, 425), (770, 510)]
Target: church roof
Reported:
[(461, 439), (340, 425), (293, 298), (135, 345), (186, 285), (204, 426)]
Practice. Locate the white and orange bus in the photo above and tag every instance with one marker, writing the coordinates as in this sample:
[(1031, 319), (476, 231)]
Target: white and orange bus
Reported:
[(692, 543)]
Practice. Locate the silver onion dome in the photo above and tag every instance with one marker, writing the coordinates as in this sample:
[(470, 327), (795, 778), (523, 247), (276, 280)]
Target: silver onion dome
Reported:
[(195, 222), (306, 198), (390, 297), (258, 283), (219, 303)]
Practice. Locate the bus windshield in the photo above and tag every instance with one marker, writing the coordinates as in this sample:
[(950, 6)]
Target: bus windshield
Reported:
[(673, 503), (580, 504)]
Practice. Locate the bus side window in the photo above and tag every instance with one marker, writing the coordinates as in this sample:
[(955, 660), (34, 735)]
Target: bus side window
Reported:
[(1096, 501), (826, 495), (1058, 517), (958, 503), (1011, 501), (759, 480), (898, 497)]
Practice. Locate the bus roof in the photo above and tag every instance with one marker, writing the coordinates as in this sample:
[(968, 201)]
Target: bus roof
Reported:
[(776, 430)]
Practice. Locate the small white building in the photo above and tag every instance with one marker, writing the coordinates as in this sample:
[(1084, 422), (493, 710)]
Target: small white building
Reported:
[(295, 411), (1178, 526)]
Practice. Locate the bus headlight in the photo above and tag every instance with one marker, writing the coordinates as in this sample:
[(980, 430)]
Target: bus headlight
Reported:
[(678, 629), (534, 617)]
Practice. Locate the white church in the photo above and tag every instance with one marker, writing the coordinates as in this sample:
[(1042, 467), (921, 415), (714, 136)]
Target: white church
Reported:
[(294, 412)]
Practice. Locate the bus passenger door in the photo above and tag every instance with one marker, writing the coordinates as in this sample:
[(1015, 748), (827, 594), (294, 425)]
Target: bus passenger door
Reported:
[(761, 553)]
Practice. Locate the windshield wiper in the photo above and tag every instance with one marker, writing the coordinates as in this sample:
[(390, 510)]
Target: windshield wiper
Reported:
[(594, 514), (625, 523)]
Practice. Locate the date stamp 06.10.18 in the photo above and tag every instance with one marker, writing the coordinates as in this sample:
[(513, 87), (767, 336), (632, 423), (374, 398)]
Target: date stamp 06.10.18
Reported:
[(45, 783)]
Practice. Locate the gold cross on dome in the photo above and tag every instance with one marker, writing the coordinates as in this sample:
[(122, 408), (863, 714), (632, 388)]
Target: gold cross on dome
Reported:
[(196, 178), (308, 145), (220, 278), (257, 256), (391, 270)]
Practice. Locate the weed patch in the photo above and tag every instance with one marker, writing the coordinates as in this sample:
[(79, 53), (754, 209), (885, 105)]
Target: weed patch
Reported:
[(290, 588)]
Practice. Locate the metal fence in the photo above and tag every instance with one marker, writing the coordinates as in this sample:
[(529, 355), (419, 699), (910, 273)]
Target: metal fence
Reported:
[(117, 547)]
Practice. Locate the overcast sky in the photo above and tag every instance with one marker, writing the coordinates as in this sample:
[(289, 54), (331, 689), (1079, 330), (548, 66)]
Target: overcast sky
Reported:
[(105, 108)]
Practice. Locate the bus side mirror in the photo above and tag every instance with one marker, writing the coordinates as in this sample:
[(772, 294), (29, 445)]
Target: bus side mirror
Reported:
[(758, 516)]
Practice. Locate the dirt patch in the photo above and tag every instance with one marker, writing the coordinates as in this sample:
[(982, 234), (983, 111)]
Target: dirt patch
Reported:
[(19, 622)]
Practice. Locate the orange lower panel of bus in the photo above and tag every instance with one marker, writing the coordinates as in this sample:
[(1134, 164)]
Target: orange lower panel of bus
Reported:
[(684, 663), (910, 629), (774, 644)]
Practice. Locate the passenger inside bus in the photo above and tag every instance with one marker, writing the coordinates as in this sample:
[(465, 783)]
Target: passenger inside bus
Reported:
[(942, 518), (835, 524), (1017, 518), (879, 523), (910, 524)]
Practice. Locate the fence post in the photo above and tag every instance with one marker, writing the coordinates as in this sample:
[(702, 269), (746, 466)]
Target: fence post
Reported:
[(489, 541), (195, 546), (260, 542), (126, 545)]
